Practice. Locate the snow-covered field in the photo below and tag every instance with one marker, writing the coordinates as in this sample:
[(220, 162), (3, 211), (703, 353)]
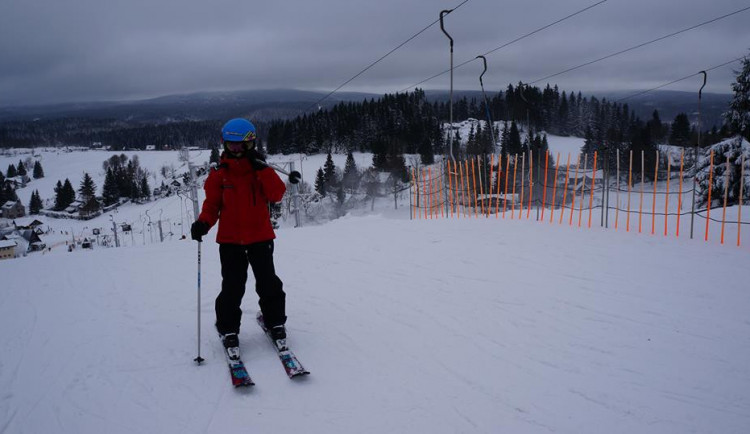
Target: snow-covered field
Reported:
[(407, 326)]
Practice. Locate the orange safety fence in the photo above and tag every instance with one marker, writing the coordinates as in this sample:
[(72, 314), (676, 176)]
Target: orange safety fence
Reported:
[(453, 185)]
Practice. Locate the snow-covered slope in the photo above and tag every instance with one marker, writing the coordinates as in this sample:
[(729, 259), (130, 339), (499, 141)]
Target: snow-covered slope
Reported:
[(440, 326)]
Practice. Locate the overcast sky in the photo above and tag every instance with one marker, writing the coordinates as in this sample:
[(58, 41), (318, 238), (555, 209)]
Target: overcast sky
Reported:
[(86, 50)]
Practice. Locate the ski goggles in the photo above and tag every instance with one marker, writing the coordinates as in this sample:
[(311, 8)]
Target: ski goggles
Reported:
[(240, 146)]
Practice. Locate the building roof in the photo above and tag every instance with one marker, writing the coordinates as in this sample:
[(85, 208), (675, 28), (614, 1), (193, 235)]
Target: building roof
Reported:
[(4, 244)]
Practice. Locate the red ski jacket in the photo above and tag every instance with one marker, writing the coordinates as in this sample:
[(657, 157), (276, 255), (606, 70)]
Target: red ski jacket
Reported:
[(238, 196)]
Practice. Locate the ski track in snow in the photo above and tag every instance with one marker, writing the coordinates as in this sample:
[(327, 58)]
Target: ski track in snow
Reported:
[(423, 326)]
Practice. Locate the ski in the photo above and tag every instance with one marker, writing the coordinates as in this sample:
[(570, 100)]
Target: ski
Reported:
[(237, 371), (291, 364)]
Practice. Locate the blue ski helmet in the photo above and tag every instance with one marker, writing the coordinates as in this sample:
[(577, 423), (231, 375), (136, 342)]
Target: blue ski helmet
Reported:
[(238, 130)]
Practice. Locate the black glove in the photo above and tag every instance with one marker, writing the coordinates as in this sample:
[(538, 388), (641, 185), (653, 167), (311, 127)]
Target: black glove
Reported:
[(295, 177), (257, 159), (198, 229)]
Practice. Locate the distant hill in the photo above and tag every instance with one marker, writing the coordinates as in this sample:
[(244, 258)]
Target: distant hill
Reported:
[(260, 105), (268, 105)]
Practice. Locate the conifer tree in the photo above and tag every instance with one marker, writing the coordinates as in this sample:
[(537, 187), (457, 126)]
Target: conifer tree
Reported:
[(738, 115), (145, 188), (329, 172), (426, 154), (215, 157), (320, 182), (21, 169), (110, 191), (514, 140), (69, 193), (59, 199), (9, 194), (351, 174), (87, 190), (12, 172), (680, 134), (35, 204), (38, 171)]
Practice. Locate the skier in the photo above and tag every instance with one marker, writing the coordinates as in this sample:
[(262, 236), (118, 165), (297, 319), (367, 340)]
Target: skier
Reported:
[(238, 192)]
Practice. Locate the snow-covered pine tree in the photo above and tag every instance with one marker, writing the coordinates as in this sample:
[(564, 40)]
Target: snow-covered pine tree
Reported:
[(738, 115), (731, 150)]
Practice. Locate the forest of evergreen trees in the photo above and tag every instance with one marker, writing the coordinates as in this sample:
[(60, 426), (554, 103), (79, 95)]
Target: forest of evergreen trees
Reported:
[(391, 125)]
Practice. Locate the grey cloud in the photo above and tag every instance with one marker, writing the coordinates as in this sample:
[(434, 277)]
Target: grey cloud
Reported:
[(52, 51)]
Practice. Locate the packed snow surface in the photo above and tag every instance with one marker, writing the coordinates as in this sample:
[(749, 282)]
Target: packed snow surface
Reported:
[(432, 325)]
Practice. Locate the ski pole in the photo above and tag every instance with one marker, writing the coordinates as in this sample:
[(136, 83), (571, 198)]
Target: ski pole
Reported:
[(199, 359), (294, 176), (194, 197)]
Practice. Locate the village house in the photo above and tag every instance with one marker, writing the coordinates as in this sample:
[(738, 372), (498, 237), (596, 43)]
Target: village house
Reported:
[(7, 249), (25, 241), (12, 210)]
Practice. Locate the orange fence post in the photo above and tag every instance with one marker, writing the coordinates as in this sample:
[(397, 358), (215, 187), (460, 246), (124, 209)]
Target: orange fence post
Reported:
[(460, 192), (489, 185), (424, 192), (450, 188), (593, 184), (679, 200), (513, 194), (710, 184), (643, 183), (565, 190), (739, 209), (415, 203), (467, 204), (666, 201), (531, 181), (441, 196), (653, 202), (481, 184), (583, 190), (726, 194), (429, 173), (474, 188), (544, 192), (575, 187), (505, 196), (630, 185), (497, 183), (554, 188)]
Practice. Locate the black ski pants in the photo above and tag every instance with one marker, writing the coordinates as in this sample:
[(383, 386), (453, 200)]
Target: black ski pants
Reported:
[(234, 261)]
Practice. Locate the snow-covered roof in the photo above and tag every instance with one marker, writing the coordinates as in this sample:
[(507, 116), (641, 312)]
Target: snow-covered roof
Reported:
[(4, 244), (9, 204)]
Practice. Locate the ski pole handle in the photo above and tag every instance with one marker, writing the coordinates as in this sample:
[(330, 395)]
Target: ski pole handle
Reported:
[(294, 176)]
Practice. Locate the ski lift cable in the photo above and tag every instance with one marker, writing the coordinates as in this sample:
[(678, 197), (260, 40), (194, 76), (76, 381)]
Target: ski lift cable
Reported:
[(661, 38), (681, 79), (508, 43), (380, 59)]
